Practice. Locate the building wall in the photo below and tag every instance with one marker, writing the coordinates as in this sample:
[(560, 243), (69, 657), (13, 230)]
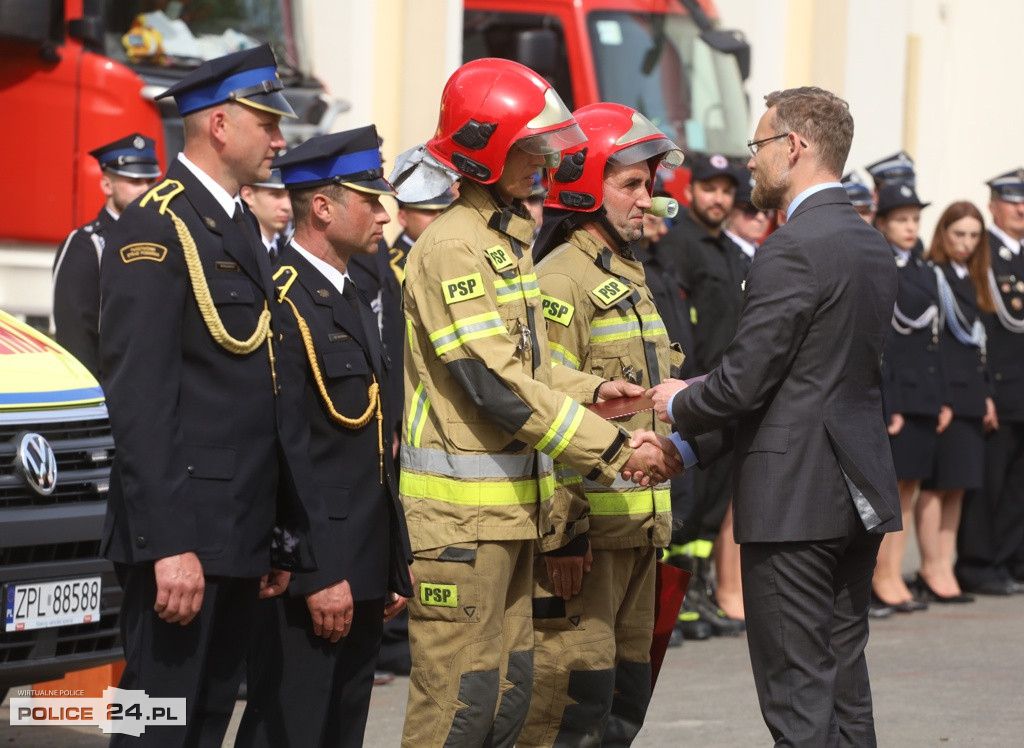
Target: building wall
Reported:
[(933, 77)]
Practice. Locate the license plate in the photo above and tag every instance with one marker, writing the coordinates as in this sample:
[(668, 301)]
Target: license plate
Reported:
[(41, 605)]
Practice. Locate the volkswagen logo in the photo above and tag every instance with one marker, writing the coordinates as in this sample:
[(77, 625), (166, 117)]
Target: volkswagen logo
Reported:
[(38, 463)]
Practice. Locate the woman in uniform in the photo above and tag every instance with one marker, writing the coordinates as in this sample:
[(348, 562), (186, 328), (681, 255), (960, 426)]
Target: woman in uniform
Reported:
[(912, 391), (961, 267)]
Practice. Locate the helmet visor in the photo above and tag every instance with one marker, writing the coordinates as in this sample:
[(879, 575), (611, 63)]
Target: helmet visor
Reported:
[(554, 142), (671, 156), (643, 141)]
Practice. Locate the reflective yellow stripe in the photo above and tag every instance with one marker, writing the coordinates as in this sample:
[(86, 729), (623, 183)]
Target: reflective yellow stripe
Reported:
[(611, 503), (475, 493), (621, 328), (561, 355), (563, 429), (418, 410), (462, 331), (519, 287)]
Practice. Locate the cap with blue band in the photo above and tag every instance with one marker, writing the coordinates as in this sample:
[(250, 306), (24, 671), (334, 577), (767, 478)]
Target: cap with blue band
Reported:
[(351, 158), (132, 156), (248, 77)]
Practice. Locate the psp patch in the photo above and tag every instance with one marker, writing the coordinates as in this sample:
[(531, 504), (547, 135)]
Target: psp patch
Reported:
[(462, 288), (499, 257), (143, 251), (557, 310), (439, 595), (610, 291)]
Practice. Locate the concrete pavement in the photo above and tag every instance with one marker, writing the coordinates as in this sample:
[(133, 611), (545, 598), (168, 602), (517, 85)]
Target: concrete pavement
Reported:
[(950, 676)]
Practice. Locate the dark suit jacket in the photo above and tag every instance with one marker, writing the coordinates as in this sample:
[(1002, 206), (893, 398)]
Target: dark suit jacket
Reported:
[(201, 437), (1006, 348), (912, 378), (711, 273), (963, 366), (76, 291), (360, 534), (802, 379)]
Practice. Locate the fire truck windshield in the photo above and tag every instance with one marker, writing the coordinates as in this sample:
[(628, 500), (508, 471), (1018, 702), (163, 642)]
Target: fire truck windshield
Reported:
[(180, 34), (658, 64)]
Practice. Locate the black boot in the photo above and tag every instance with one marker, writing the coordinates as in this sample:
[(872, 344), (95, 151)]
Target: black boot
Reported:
[(701, 597)]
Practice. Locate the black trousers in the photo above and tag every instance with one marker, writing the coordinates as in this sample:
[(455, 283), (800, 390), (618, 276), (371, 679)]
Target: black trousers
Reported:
[(806, 609), (990, 543), (303, 690), (202, 662)]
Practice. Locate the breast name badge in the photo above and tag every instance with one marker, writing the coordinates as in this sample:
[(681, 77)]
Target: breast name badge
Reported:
[(610, 291), (499, 257)]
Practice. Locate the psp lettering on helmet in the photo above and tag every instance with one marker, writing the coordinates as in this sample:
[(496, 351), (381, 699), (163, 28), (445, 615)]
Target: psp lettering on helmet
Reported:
[(439, 595), (499, 258), (557, 310), (610, 291), (462, 288)]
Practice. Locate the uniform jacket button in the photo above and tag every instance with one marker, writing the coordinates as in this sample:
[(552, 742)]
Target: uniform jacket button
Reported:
[(234, 294), (141, 542), (191, 469)]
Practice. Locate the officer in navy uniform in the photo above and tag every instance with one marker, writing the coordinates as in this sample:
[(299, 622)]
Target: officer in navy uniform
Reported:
[(128, 168), (208, 493), (861, 196), (990, 546), (312, 667)]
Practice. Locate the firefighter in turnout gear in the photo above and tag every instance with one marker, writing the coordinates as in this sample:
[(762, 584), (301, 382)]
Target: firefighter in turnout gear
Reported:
[(487, 414), (592, 674)]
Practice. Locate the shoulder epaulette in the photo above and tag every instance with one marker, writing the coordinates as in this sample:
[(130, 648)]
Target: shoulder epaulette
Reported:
[(162, 194)]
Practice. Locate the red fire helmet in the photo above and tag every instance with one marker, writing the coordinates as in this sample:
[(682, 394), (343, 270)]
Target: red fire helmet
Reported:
[(491, 104), (616, 134)]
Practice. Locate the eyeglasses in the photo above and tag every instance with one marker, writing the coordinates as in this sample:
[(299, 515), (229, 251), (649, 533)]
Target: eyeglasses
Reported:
[(751, 211), (755, 145)]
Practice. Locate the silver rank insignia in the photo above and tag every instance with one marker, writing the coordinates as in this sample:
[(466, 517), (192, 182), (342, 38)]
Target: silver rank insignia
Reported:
[(1005, 253)]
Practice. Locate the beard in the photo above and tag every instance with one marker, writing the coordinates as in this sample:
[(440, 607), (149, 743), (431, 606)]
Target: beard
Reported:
[(769, 190)]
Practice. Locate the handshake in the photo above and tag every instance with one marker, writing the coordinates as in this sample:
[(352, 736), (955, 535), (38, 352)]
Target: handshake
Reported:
[(655, 458)]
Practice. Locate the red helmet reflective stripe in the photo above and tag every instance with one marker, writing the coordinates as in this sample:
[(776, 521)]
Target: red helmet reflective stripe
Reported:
[(615, 134), (490, 104)]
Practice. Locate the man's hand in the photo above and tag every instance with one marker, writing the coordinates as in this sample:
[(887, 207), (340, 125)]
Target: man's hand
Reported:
[(395, 603), (662, 396), (331, 609), (179, 587), (654, 459), (991, 420), (895, 424), (274, 583), (618, 388), (945, 418), (566, 572), (673, 463)]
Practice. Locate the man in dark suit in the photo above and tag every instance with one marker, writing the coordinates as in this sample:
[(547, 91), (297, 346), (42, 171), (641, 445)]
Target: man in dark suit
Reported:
[(312, 665), (189, 374), (128, 169), (814, 483)]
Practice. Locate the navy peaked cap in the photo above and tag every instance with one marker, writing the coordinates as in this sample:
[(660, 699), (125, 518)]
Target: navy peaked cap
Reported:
[(248, 77), (131, 156), (351, 158)]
